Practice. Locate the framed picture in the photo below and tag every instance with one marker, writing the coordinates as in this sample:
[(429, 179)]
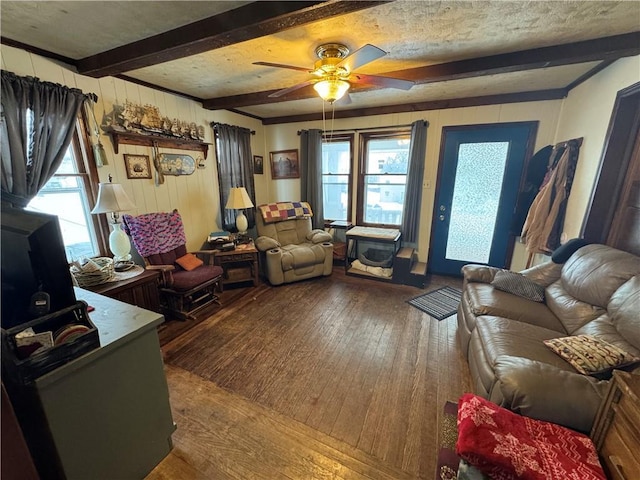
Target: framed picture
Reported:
[(258, 165), (285, 164), (138, 166)]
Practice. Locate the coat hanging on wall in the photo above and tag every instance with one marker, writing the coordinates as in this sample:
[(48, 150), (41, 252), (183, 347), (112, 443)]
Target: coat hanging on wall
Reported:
[(536, 170), (545, 220)]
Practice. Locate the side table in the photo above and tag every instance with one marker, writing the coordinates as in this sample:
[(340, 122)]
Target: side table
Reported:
[(339, 242), (141, 290), (239, 265)]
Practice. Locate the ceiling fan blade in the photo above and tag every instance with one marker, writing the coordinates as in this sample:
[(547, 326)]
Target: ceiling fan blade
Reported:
[(387, 82), (362, 56), (285, 91), (279, 65), (345, 100)]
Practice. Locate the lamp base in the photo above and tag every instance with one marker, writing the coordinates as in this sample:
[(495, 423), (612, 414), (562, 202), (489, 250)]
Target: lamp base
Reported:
[(119, 244), (242, 224)]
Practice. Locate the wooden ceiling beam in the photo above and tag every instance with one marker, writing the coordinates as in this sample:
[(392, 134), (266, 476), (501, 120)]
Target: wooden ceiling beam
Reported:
[(533, 96), (254, 20), (607, 48)]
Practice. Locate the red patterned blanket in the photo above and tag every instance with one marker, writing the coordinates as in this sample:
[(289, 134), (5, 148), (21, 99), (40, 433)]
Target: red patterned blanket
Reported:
[(506, 446)]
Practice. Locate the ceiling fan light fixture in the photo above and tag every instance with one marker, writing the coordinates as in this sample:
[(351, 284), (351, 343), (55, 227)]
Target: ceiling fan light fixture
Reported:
[(332, 89)]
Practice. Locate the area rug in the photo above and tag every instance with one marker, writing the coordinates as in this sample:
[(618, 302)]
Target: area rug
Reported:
[(439, 304), (447, 467)]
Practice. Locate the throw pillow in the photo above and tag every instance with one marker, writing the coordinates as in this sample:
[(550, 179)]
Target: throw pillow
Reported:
[(189, 262), (590, 355), (517, 284), (505, 445)]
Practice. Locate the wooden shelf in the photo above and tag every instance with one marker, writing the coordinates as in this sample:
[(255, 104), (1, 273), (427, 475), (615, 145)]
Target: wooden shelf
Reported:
[(131, 138)]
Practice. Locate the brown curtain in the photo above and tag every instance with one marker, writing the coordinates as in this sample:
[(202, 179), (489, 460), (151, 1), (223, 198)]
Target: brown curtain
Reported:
[(37, 122), (545, 220)]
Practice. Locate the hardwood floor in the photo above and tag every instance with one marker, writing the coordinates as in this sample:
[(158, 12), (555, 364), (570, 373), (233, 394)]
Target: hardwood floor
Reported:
[(335, 377)]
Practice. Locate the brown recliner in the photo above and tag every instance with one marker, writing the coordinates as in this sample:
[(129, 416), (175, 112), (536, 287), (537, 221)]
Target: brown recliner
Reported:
[(292, 250)]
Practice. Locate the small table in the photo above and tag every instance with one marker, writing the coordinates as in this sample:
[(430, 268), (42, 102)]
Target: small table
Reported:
[(339, 246), (239, 265), (141, 290)]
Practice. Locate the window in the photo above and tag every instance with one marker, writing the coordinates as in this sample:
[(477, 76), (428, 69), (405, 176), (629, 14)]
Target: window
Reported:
[(67, 195), (383, 176), (336, 177)]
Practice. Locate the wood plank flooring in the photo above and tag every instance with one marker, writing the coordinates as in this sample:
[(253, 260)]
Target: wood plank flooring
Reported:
[(338, 361)]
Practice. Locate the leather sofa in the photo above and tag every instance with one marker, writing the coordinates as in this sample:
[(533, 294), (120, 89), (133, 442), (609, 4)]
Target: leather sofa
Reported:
[(291, 249), (595, 292)]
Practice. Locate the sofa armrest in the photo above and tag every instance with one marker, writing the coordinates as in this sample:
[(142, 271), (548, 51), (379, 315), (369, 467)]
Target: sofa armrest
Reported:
[(319, 236), (544, 392), (478, 273), (544, 274), (264, 243)]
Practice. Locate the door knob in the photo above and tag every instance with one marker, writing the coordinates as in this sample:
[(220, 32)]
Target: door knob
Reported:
[(441, 218), (442, 208)]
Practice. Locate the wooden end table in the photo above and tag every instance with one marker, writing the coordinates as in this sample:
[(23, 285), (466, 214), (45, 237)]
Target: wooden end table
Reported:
[(141, 290), (239, 265)]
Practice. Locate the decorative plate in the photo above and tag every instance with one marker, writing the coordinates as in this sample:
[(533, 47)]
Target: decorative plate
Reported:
[(175, 164)]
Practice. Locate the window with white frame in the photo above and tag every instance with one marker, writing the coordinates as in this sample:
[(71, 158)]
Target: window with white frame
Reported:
[(337, 155), (66, 195), (384, 161)]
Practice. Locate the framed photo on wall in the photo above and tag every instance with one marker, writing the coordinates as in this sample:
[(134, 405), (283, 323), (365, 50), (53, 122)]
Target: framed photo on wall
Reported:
[(285, 164), (137, 166), (258, 165)]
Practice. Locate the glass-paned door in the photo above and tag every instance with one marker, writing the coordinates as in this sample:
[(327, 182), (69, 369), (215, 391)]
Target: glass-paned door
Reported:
[(480, 175)]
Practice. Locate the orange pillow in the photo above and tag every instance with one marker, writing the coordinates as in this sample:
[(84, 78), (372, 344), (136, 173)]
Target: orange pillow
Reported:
[(189, 262)]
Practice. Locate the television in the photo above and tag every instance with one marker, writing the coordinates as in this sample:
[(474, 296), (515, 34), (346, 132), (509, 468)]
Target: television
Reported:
[(33, 259)]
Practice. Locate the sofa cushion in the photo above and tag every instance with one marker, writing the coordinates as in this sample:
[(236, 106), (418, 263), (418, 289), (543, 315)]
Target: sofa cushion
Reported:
[(624, 309), (570, 311), (502, 336), (484, 299), (595, 272), (590, 355), (506, 445), (518, 284), (604, 329), (532, 388)]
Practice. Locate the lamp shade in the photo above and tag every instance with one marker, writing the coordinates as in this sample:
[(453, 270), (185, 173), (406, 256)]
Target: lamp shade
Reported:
[(331, 89), (112, 198), (238, 198)]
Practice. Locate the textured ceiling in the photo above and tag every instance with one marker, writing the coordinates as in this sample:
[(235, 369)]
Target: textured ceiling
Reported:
[(415, 33)]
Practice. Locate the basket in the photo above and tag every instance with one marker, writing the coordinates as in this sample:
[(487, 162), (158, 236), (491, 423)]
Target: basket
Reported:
[(102, 274), (26, 370)]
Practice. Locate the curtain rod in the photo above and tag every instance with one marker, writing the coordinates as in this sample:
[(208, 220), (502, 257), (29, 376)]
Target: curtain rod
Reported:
[(215, 124), (370, 128)]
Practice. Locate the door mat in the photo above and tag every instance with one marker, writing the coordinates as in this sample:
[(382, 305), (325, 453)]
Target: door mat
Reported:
[(439, 304), (447, 466)]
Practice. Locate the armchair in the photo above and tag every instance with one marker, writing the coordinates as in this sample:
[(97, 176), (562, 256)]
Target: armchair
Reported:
[(291, 249), (188, 281)]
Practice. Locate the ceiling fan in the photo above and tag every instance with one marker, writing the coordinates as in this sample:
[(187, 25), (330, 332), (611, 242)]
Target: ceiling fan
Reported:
[(334, 72)]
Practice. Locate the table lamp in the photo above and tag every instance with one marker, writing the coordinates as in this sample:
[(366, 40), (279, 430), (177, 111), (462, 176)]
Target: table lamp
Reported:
[(239, 200), (113, 199)]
